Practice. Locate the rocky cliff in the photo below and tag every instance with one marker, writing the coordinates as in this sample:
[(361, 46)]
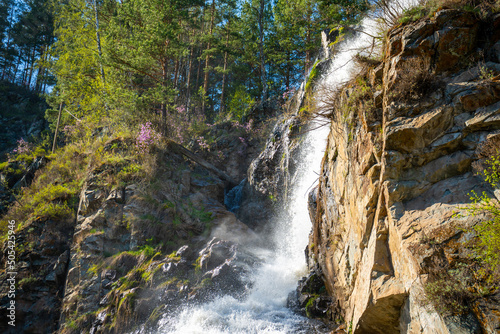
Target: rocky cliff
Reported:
[(404, 137), (143, 239)]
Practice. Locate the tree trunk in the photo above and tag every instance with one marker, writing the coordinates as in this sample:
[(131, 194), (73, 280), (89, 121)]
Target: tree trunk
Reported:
[(31, 64), (223, 89), (198, 73), (176, 73), (207, 59), (308, 51), (288, 65), (57, 128), (261, 49), (98, 37), (164, 67), (188, 81)]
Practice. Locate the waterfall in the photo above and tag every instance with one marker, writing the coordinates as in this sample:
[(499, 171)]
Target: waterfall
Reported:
[(263, 309)]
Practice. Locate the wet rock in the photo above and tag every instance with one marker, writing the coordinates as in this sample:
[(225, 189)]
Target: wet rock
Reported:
[(311, 298), (185, 252), (311, 202), (215, 253), (270, 174), (173, 269)]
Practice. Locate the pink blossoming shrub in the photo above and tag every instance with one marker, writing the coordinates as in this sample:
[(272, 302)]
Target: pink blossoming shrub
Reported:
[(287, 97), (183, 127), (23, 147), (74, 132), (203, 143), (146, 138)]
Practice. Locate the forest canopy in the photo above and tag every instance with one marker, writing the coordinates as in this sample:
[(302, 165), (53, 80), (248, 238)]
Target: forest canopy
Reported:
[(158, 60)]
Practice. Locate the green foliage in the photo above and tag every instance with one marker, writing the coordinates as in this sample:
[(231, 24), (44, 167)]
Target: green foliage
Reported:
[(413, 14), (449, 290), (485, 73), (131, 172), (54, 192), (149, 250), (94, 269), (53, 211), (240, 104), (313, 76), (310, 304), (488, 231), (27, 282), (201, 214)]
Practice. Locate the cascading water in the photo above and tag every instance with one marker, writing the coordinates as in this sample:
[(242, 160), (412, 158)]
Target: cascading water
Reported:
[(263, 309)]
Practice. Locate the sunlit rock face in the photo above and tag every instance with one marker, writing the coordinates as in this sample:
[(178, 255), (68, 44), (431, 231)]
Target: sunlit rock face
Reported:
[(391, 181)]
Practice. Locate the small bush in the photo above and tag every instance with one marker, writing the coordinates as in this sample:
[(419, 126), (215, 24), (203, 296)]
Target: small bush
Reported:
[(488, 231), (146, 138), (413, 14), (448, 290), (27, 283), (23, 147), (240, 104), (414, 81)]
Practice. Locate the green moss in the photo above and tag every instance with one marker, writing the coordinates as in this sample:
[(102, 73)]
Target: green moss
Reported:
[(313, 76), (129, 298), (309, 305), (27, 282), (168, 205), (128, 284), (130, 172), (155, 316), (206, 282), (169, 282), (201, 214), (95, 268), (413, 14), (71, 324)]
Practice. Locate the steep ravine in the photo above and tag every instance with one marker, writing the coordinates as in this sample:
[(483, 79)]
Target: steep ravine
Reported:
[(396, 170), (169, 257)]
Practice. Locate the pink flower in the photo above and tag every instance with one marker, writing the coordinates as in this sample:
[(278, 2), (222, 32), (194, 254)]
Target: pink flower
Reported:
[(146, 138), (22, 147)]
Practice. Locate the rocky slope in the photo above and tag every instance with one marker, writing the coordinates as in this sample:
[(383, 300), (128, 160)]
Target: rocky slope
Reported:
[(397, 166), (136, 249)]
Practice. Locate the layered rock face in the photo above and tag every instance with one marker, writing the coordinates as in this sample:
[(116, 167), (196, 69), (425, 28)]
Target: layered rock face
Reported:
[(392, 180), (135, 252), (114, 286)]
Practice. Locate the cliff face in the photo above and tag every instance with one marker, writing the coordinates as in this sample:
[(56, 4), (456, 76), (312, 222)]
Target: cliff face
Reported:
[(146, 240), (113, 285), (395, 172)]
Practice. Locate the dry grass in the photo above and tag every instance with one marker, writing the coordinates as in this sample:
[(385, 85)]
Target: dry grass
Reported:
[(414, 80), (484, 152)]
